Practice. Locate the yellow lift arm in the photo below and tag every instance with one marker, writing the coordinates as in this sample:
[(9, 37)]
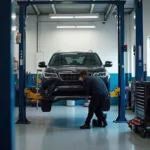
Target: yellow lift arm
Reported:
[(37, 96), (115, 93)]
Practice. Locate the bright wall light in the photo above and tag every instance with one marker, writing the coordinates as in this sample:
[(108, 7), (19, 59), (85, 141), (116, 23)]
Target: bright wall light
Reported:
[(61, 17), (86, 17), (65, 27), (134, 27), (13, 16), (134, 17), (78, 27), (14, 28)]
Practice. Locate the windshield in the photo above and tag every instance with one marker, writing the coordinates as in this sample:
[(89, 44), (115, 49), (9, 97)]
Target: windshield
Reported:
[(81, 59)]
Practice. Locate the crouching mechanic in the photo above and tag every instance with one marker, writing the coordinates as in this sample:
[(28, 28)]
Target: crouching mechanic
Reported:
[(96, 88)]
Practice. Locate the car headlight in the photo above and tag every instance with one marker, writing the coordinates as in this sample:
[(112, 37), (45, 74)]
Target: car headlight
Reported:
[(102, 74), (50, 75)]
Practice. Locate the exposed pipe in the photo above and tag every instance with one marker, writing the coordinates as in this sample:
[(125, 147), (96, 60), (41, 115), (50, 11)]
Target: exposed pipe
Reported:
[(37, 32)]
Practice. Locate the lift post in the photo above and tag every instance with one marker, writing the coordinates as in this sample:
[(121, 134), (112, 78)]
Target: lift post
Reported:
[(7, 128), (120, 5), (22, 66), (121, 72), (139, 69)]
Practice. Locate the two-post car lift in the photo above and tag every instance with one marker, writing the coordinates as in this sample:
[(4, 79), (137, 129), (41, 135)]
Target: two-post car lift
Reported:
[(121, 49)]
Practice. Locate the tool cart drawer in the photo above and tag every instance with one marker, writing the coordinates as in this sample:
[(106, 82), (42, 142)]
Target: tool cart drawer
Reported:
[(142, 96), (140, 100)]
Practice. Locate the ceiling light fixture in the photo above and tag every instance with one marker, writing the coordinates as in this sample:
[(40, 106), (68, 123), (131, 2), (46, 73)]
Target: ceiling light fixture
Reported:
[(65, 27), (74, 17), (61, 17), (86, 17), (73, 27), (86, 27)]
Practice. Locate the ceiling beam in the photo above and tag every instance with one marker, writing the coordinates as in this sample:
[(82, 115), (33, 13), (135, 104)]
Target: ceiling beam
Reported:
[(109, 11), (35, 8), (92, 8), (53, 7), (71, 2)]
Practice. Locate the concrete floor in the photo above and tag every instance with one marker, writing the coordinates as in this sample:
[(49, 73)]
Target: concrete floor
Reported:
[(58, 130)]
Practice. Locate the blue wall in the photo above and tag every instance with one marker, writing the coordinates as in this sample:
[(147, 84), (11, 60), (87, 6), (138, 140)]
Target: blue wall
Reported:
[(31, 81)]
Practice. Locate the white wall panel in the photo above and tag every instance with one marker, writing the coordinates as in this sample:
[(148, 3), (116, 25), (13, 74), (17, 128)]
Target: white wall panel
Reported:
[(102, 40)]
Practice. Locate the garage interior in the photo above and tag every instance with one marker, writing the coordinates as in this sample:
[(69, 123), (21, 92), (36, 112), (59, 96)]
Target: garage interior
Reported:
[(116, 30)]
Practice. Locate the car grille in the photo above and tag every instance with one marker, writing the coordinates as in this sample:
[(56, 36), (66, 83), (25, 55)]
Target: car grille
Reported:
[(69, 77)]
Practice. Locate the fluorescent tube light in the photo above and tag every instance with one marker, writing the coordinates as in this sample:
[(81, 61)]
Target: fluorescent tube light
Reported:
[(65, 27), (78, 27), (61, 17), (86, 17), (74, 17), (85, 27)]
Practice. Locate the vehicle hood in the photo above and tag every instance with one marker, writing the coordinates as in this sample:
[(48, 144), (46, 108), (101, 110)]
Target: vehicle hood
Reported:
[(74, 69)]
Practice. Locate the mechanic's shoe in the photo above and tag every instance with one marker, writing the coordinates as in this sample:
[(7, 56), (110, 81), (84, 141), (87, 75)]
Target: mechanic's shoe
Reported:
[(105, 123), (97, 123), (85, 126)]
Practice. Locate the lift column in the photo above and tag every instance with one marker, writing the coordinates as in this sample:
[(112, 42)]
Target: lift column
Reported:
[(121, 70), (139, 69), (7, 128), (22, 65)]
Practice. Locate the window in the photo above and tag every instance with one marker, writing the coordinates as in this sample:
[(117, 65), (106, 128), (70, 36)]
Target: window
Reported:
[(75, 59), (148, 54), (133, 61)]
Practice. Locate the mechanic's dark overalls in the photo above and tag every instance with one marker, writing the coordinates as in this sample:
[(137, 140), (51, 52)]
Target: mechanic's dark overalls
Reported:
[(96, 88)]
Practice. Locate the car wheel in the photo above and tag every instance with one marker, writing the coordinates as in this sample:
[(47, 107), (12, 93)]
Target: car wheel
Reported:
[(108, 85), (46, 105)]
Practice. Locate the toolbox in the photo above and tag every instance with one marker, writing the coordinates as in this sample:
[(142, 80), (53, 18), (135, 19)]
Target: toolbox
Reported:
[(141, 123)]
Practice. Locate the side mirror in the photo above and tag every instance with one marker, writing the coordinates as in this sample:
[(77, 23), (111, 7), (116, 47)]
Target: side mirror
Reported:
[(108, 64), (42, 64)]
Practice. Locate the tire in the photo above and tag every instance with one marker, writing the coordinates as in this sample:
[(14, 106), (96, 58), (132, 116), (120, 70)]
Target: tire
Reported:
[(46, 106)]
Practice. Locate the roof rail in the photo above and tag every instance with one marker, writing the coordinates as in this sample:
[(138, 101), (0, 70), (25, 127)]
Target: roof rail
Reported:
[(91, 51), (58, 51)]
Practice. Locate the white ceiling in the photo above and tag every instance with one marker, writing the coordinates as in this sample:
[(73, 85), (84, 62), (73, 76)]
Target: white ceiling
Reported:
[(73, 8)]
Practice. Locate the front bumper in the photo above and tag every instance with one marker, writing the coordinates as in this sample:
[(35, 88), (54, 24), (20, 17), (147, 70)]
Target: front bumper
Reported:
[(56, 87)]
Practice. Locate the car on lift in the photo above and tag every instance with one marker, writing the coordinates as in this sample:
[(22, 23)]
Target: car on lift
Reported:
[(60, 79)]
